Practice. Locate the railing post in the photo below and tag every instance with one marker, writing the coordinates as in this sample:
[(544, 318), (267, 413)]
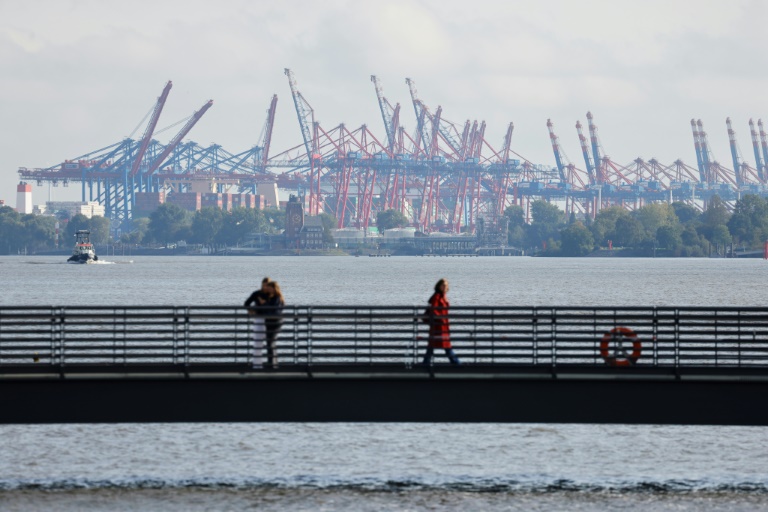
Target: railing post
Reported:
[(62, 339)]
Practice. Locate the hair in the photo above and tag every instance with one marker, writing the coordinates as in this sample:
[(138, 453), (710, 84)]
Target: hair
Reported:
[(440, 283), (276, 287), (265, 280)]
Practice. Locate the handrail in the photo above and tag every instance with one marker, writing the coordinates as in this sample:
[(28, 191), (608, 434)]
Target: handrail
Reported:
[(132, 336)]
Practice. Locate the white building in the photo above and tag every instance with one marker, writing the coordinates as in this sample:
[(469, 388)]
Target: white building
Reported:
[(89, 209)]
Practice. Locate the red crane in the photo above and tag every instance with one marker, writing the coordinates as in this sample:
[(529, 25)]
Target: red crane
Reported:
[(268, 132), (175, 141), (151, 127)]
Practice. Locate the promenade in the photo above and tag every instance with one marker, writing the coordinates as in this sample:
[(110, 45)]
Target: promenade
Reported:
[(543, 364)]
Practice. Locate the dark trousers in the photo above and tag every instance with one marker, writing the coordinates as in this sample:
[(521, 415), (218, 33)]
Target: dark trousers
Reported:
[(449, 352), (273, 326)]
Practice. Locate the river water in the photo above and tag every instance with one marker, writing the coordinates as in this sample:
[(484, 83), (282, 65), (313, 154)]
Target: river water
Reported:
[(383, 466)]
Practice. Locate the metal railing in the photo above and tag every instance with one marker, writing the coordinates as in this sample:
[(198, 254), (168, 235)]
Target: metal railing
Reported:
[(196, 336)]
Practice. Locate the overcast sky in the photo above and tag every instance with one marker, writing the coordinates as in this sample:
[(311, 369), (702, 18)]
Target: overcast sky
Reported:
[(78, 75)]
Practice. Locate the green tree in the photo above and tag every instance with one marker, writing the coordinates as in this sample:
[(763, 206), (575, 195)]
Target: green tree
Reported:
[(629, 232), (76, 223), (716, 214), (685, 213), (206, 224), (167, 222), (547, 219), (604, 226), (749, 222), (238, 223), (391, 219), (721, 236), (656, 215), (668, 237), (329, 223), (137, 234), (275, 220), (576, 240), (516, 215), (99, 228)]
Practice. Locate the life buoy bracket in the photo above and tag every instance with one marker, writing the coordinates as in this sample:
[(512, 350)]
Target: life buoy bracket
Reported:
[(612, 347)]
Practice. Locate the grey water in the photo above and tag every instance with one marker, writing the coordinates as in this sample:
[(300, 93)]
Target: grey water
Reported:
[(343, 466)]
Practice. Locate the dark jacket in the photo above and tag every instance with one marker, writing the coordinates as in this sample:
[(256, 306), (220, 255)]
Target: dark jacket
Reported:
[(257, 302)]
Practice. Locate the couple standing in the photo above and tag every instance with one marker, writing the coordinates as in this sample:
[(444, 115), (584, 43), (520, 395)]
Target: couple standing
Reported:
[(265, 305)]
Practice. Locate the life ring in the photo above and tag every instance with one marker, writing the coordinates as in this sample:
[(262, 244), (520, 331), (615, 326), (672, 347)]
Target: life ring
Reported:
[(618, 356)]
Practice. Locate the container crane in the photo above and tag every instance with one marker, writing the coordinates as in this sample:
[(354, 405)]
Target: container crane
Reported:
[(150, 128), (585, 153), (759, 162), (307, 123)]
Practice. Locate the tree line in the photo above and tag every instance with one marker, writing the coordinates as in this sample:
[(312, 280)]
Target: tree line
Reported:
[(676, 229)]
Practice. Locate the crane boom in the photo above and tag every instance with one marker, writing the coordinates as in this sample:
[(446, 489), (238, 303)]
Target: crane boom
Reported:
[(556, 150), (387, 113), (150, 128), (268, 131), (699, 153), (763, 140), (305, 113), (595, 147), (175, 141), (585, 153), (759, 163), (734, 152)]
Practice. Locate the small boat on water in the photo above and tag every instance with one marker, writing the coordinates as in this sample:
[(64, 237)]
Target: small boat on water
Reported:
[(83, 251)]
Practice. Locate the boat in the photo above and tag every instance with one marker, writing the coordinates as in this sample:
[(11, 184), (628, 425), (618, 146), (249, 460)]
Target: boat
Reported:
[(83, 251)]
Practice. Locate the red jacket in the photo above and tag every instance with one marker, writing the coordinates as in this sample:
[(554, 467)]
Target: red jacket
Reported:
[(439, 328)]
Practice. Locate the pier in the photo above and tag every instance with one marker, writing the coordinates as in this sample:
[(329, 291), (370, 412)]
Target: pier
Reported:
[(363, 364)]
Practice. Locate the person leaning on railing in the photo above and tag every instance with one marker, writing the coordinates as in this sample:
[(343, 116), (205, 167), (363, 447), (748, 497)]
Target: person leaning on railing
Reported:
[(273, 311), (436, 316), (255, 304)]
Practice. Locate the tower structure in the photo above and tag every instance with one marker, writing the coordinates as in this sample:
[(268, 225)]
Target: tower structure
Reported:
[(24, 198)]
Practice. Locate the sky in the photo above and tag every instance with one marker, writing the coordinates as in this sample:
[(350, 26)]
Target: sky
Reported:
[(79, 75)]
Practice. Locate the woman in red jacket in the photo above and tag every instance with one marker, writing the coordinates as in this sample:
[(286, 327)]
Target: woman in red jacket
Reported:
[(439, 327)]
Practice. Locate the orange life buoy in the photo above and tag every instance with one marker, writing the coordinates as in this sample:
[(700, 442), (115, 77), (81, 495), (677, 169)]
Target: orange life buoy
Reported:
[(618, 356)]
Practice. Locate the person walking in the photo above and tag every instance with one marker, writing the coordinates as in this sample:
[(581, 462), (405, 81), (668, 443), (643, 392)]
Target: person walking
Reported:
[(273, 310), (255, 304), (439, 327)]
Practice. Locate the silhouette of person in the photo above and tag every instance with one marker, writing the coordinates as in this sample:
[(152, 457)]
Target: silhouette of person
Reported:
[(439, 326)]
